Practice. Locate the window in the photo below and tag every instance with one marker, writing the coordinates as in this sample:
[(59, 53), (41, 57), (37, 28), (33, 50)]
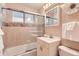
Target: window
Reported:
[(46, 21), (29, 19), (17, 16), (39, 19), (51, 21)]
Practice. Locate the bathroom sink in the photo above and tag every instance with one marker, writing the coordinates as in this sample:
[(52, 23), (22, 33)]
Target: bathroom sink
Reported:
[(50, 39)]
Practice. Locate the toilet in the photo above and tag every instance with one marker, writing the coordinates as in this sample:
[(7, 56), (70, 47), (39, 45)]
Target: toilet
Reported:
[(65, 51)]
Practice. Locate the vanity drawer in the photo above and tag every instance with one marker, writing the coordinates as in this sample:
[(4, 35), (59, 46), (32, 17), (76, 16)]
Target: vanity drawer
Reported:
[(45, 48), (42, 48)]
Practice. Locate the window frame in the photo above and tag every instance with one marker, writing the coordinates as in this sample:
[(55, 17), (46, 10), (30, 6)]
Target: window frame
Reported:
[(18, 17), (33, 18)]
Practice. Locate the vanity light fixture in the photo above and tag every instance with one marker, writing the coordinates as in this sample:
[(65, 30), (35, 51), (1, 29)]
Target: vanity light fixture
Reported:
[(47, 5)]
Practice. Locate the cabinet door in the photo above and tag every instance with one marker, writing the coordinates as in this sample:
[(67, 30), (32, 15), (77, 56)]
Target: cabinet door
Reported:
[(42, 48)]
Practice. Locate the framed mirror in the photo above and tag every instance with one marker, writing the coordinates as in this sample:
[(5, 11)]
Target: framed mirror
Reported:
[(52, 17)]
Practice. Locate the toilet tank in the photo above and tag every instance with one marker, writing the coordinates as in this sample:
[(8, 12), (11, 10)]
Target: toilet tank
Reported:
[(65, 51)]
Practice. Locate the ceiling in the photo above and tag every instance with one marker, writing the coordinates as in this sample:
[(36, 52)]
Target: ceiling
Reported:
[(34, 5)]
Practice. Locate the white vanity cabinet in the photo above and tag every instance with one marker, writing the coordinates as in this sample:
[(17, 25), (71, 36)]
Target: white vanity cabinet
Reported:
[(1, 43), (47, 46)]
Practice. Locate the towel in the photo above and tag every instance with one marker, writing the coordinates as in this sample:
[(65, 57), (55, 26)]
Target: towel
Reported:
[(67, 28)]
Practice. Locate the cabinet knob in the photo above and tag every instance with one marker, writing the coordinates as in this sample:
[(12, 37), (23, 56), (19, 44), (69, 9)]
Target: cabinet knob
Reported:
[(41, 48)]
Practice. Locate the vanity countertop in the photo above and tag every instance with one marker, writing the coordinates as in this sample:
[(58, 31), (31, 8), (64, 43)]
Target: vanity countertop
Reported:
[(49, 40)]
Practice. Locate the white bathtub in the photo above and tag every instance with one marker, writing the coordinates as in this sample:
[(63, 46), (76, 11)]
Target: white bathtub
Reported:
[(19, 49)]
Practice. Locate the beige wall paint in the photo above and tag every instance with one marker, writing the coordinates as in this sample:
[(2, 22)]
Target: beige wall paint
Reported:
[(15, 36), (57, 30), (19, 6), (54, 30), (68, 18), (7, 14)]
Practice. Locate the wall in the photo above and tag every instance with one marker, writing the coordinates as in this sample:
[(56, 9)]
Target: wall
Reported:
[(19, 6), (69, 18), (14, 36), (74, 41), (16, 6), (49, 30), (54, 30)]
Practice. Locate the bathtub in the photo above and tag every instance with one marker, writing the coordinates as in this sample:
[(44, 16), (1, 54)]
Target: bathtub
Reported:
[(17, 50)]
